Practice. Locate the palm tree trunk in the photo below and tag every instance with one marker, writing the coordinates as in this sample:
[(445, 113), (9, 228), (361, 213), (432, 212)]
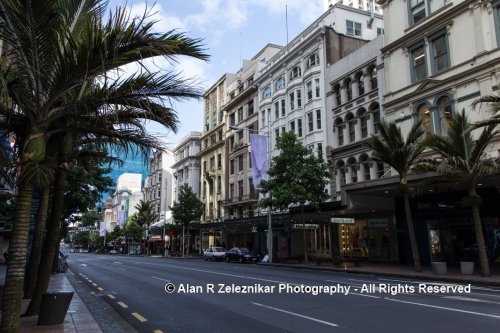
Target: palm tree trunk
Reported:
[(52, 242), (306, 259), (14, 279), (478, 228), (36, 246), (411, 232)]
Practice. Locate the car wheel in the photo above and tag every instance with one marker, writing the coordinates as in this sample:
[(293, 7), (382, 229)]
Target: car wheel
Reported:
[(241, 260), (227, 259)]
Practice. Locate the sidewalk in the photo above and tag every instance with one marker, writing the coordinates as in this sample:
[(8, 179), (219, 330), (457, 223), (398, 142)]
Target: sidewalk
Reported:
[(77, 320)]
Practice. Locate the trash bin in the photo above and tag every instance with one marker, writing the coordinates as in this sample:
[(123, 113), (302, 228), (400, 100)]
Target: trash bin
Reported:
[(54, 307)]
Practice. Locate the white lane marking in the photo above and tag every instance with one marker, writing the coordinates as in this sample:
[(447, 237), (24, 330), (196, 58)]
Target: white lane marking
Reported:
[(295, 314), (364, 295), (83, 264), (470, 299), (154, 277), (443, 308), (117, 262), (123, 269)]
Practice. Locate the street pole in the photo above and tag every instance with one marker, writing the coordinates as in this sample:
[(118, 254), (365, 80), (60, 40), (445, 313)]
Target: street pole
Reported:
[(183, 249), (269, 214)]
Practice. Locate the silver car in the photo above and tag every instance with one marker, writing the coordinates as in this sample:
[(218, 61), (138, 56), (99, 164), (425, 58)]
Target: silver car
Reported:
[(214, 253)]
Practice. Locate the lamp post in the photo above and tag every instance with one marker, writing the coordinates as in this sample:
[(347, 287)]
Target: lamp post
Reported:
[(269, 215)]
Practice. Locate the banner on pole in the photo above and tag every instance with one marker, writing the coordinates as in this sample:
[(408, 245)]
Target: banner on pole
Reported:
[(102, 229), (259, 158)]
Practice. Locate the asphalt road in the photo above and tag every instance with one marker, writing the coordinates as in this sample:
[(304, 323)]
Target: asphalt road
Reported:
[(221, 297)]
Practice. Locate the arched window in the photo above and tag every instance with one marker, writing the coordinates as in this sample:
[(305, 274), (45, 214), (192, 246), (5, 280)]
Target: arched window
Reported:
[(336, 94), (341, 171), (424, 115), (375, 109), (445, 114), (361, 84), (364, 163), (340, 131), (266, 92), (349, 119), (363, 118), (351, 162), (373, 77), (295, 72), (348, 84), (280, 83), (313, 60)]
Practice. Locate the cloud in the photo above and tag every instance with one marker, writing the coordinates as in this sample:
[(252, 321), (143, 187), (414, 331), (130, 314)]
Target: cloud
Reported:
[(164, 20)]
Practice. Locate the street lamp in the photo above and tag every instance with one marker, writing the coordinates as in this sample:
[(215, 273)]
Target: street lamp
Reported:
[(269, 215)]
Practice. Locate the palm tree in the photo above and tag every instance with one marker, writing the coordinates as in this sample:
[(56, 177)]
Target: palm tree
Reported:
[(494, 102), (461, 159), (56, 50), (390, 147), (146, 216)]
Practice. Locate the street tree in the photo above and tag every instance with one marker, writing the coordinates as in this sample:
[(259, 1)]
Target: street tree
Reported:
[(187, 208), (146, 215), (390, 147), (462, 159), (297, 177), (56, 50)]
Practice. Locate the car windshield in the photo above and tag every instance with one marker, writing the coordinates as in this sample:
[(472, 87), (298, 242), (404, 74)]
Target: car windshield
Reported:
[(219, 249)]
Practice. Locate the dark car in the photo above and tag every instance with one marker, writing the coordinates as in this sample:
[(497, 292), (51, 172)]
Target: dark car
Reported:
[(240, 254)]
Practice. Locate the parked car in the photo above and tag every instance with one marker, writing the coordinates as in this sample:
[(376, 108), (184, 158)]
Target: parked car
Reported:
[(113, 252), (62, 264), (214, 253), (240, 254)]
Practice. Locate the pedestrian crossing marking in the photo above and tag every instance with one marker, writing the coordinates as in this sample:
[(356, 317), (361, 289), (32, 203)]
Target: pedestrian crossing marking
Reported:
[(123, 305), (139, 317)]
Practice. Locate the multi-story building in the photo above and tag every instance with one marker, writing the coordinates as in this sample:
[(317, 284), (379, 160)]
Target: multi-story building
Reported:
[(242, 121), (360, 4), (292, 97), (438, 57), (186, 167), (159, 185), (127, 194)]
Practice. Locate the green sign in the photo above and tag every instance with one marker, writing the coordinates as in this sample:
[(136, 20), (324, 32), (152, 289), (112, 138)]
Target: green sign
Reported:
[(342, 220)]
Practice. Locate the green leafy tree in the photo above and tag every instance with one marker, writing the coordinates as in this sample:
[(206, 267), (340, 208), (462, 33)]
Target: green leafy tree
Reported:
[(82, 239), (461, 158), (188, 208), (390, 147), (146, 215), (297, 177), (134, 231), (53, 94)]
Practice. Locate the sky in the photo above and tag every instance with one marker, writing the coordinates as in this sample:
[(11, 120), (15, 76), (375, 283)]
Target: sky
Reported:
[(231, 30)]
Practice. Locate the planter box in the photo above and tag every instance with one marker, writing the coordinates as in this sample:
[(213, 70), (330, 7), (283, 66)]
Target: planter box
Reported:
[(467, 267), (439, 268)]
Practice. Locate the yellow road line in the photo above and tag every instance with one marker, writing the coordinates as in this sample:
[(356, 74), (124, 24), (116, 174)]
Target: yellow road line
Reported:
[(123, 305), (139, 317), (111, 296), (157, 331)]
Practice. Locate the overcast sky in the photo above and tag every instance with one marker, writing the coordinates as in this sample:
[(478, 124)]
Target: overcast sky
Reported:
[(231, 30)]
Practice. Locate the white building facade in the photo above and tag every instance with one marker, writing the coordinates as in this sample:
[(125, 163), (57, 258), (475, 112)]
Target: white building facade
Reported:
[(186, 167)]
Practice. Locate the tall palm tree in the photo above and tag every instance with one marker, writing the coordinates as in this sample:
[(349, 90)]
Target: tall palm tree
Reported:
[(493, 101), (146, 216), (56, 50), (461, 158), (390, 147)]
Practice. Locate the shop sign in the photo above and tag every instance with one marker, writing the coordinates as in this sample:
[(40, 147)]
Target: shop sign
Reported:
[(305, 226), (378, 223), (342, 220)]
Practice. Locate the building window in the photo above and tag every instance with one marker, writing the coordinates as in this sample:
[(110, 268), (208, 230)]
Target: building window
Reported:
[(418, 63), (376, 120), (309, 90), (250, 108), (266, 92), (219, 184), (295, 73), (232, 120), (373, 77), (240, 114), (310, 122), (419, 9), (320, 150), (316, 87), (361, 84), (276, 110), (313, 60), (231, 167), (439, 53), (283, 109), (240, 163), (212, 163), (363, 117), (380, 170), (298, 93), (292, 126), (299, 128), (276, 134), (380, 31), (249, 161), (424, 115), (280, 83), (497, 20), (318, 119), (340, 131), (231, 190), (348, 84), (336, 94), (352, 131), (240, 189), (292, 100), (353, 28), (219, 161), (445, 114), (263, 118)]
